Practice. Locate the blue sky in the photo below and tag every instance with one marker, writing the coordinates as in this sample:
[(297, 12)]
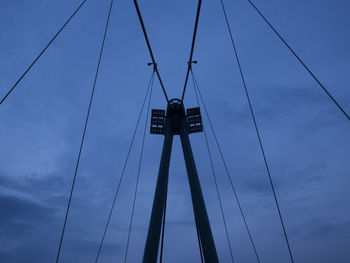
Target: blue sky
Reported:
[(305, 136)]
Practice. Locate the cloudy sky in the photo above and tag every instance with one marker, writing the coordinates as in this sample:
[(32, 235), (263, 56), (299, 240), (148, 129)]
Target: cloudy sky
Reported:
[(306, 137)]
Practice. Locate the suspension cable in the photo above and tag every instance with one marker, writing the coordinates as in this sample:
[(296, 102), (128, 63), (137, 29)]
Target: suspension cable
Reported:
[(299, 59), (214, 175), (192, 47), (123, 170), (84, 131), (138, 173), (163, 230), (163, 226), (198, 237), (226, 168), (42, 52), (257, 132), (150, 49)]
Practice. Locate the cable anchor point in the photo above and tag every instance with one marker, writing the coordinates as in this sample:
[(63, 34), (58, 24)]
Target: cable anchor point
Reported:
[(192, 62), (152, 64)]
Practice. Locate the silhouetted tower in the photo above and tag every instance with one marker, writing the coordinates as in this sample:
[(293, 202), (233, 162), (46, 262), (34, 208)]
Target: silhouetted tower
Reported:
[(175, 121)]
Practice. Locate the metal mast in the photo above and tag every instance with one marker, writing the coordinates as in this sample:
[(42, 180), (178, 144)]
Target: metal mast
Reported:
[(178, 122)]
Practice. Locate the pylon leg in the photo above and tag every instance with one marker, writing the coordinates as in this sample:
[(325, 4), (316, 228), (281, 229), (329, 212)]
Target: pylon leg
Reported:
[(152, 244), (205, 233)]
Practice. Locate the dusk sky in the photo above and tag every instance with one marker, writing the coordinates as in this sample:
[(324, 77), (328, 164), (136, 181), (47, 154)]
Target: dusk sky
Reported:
[(305, 136)]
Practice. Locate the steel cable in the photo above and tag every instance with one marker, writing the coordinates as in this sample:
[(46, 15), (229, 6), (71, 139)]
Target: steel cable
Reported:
[(163, 226), (214, 175), (84, 131), (227, 170), (42, 52), (150, 49), (192, 47), (138, 174), (123, 171), (300, 60), (258, 133), (198, 238)]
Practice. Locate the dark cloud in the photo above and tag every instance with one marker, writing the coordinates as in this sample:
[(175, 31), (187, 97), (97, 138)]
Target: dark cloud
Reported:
[(14, 208)]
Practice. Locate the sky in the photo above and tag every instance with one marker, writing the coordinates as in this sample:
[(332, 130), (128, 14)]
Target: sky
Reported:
[(306, 138)]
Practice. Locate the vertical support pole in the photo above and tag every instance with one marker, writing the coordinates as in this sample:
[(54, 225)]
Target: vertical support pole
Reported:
[(206, 236), (152, 244)]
